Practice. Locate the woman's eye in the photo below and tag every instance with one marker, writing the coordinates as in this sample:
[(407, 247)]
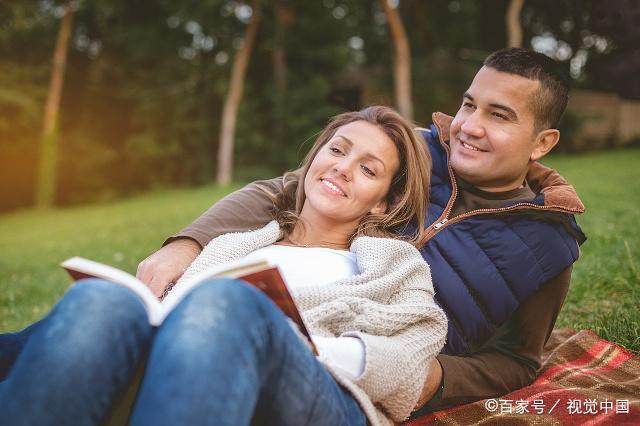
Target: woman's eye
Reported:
[(467, 105), (368, 171), (335, 150)]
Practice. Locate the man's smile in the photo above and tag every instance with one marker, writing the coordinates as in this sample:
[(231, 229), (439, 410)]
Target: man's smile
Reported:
[(467, 145)]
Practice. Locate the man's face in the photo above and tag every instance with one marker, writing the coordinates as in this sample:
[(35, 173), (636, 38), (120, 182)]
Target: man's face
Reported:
[(493, 134)]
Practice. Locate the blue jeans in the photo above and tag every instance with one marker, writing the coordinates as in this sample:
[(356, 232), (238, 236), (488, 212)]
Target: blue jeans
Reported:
[(69, 367), (226, 355)]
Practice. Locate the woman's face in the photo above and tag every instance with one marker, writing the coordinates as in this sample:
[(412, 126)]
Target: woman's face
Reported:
[(350, 175)]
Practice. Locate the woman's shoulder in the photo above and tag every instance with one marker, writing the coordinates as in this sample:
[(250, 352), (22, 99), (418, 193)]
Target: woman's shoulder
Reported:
[(391, 257), (400, 241), (269, 230), (383, 247), (246, 241)]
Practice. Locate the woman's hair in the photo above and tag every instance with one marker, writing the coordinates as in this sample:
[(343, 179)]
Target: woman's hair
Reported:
[(408, 194)]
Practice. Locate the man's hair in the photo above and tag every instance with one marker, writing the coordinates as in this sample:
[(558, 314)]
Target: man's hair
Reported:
[(407, 196), (551, 99)]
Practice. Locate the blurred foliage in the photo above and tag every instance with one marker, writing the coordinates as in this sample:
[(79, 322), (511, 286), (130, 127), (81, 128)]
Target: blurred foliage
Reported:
[(145, 80), (569, 125)]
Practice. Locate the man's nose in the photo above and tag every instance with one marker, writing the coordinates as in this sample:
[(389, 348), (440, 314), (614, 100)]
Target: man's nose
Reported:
[(472, 125)]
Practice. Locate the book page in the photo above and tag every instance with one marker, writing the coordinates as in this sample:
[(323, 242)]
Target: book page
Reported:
[(79, 268), (257, 272), (229, 269)]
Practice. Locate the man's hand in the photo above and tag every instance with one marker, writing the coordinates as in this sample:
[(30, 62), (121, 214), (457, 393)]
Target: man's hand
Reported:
[(167, 264), (432, 383)]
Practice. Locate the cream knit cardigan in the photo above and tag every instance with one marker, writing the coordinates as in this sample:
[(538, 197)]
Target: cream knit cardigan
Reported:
[(389, 306)]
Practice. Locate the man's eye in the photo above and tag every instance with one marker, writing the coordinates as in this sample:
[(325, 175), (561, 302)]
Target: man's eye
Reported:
[(467, 105), (368, 171), (500, 116)]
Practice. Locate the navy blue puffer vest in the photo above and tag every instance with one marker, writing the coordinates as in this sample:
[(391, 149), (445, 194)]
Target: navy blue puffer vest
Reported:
[(485, 265)]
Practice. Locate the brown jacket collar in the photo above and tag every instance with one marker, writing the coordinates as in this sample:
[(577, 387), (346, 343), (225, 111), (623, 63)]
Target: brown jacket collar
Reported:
[(557, 191)]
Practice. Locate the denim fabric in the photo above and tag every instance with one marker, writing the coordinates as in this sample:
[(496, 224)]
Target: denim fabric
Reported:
[(70, 366), (228, 356), (11, 345)]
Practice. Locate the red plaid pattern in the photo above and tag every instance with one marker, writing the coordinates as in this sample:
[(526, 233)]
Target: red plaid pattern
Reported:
[(584, 380)]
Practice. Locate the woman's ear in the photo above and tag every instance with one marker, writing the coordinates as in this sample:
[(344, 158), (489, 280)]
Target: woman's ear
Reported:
[(379, 208), (545, 141)]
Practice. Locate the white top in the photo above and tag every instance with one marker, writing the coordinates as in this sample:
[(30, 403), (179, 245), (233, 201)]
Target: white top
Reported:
[(305, 266), (316, 266)]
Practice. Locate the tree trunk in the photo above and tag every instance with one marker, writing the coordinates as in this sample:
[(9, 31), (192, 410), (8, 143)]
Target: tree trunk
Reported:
[(47, 170), (514, 27), (402, 60), (232, 102), (284, 16)]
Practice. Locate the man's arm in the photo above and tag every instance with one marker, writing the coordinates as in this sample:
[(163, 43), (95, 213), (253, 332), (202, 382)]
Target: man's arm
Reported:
[(240, 211), (509, 361), (247, 208)]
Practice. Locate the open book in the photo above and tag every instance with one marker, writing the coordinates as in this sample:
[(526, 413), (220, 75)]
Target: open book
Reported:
[(257, 273)]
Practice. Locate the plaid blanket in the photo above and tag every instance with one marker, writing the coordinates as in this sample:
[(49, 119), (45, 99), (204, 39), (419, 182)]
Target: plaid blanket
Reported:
[(584, 380)]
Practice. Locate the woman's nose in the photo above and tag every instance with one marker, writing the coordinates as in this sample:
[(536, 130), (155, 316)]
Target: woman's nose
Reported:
[(343, 169)]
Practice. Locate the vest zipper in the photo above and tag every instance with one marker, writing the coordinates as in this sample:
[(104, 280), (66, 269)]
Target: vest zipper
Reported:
[(443, 221), (440, 224)]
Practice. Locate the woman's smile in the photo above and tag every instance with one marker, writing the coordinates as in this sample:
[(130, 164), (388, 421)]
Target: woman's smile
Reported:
[(332, 187)]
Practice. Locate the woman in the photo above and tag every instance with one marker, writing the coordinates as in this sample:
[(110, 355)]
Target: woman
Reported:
[(227, 355)]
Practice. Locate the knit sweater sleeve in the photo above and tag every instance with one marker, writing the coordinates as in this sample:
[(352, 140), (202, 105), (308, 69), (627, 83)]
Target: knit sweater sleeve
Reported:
[(396, 318), (396, 364), (389, 306)]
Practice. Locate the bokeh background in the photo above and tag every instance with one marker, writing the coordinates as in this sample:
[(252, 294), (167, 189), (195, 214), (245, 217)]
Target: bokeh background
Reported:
[(144, 83)]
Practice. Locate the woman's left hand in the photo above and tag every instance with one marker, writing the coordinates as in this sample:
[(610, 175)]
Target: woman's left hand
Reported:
[(432, 383)]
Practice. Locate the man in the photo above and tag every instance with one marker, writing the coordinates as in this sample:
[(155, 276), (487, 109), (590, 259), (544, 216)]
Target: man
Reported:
[(502, 235)]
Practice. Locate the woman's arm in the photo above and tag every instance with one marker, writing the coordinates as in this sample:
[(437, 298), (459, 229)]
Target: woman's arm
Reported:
[(390, 307), (396, 366), (400, 338), (243, 210)]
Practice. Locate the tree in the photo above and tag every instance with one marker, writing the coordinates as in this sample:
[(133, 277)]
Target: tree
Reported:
[(284, 16), (47, 176), (402, 60), (234, 96), (514, 28)]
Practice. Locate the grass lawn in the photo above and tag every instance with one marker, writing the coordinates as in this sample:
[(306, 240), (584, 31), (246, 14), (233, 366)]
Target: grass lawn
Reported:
[(605, 288), (604, 296), (32, 244)]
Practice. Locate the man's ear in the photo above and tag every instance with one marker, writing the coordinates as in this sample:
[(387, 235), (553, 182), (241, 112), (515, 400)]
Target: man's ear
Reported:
[(545, 141)]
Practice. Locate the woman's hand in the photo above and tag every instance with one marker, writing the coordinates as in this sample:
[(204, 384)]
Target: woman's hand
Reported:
[(167, 265), (431, 384)]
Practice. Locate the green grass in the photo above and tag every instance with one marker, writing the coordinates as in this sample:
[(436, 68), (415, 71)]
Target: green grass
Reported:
[(32, 244), (604, 295), (605, 289)]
